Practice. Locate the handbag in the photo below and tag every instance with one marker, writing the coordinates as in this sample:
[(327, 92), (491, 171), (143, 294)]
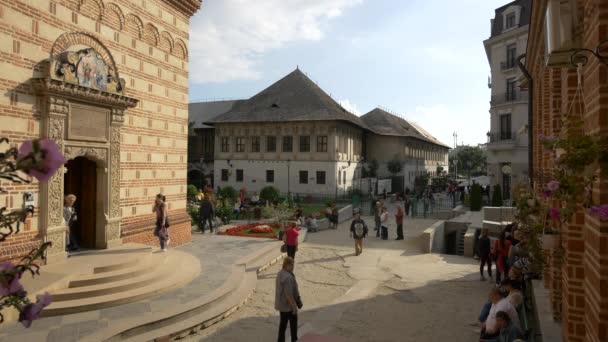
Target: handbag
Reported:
[(284, 248)]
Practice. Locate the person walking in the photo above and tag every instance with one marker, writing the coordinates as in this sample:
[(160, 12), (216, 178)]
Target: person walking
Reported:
[(399, 221), (407, 203), (377, 213), (500, 251), (162, 222), (358, 231), (206, 215), (290, 238), (70, 218), (484, 250), (384, 223), (287, 300)]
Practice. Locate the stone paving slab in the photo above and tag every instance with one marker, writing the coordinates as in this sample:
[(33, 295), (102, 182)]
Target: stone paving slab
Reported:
[(216, 253)]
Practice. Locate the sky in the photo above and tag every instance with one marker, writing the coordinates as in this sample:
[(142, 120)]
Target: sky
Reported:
[(422, 59)]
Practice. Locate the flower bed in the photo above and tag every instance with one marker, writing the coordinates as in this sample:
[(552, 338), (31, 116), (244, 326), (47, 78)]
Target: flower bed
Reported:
[(258, 230)]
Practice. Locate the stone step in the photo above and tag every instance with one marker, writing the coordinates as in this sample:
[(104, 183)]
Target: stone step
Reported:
[(124, 284), (179, 269), (142, 267)]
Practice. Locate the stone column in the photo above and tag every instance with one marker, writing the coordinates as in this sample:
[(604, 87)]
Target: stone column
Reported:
[(51, 209), (113, 219)]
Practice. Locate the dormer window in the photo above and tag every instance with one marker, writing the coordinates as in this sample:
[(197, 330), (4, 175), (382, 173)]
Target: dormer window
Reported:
[(510, 21)]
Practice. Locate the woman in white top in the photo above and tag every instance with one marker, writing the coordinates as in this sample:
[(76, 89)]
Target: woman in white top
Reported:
[(69, 217)]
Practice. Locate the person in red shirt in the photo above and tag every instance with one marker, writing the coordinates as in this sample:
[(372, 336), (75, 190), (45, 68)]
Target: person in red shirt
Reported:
[(500, 251), (291, 240), (399, 221)]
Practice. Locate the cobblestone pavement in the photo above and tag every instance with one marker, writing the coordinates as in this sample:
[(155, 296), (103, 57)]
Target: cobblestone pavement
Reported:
[(216, 254)]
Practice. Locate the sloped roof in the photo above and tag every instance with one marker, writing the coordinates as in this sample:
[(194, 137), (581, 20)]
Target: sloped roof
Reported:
[(381, 122), (201, 112), (526, 9), (295, 97)]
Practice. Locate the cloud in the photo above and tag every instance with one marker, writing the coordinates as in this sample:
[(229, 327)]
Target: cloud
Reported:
[(349, 106), (229, 37)]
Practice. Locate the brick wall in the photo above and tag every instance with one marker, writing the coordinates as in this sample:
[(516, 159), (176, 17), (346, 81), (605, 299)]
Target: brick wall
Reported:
[(148, 41), (579, 281)]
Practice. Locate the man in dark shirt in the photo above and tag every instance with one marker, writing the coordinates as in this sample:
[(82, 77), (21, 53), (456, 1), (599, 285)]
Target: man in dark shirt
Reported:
[(206, 214), (358, 230), (483, 249)]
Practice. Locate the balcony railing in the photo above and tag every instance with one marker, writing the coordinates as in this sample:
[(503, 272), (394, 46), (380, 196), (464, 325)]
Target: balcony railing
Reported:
[(502, 137), (507, 65), (508, 97)]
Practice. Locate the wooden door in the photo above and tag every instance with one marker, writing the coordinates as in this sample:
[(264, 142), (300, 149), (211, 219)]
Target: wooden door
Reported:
[(81, 180)]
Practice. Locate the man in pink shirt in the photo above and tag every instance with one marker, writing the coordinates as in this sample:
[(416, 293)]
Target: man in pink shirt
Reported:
[(291, 240)]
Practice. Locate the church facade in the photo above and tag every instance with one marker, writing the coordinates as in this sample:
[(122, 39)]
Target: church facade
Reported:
[(108, 82)]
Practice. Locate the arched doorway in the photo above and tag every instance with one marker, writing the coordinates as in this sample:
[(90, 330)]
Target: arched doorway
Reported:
[(195, 177), (81, 181)]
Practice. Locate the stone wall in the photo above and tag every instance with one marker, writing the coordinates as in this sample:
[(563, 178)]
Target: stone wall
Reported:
[(147, 40), (579, 281)]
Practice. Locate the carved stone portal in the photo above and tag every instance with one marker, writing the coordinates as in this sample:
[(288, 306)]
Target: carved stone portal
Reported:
[(83, 86)]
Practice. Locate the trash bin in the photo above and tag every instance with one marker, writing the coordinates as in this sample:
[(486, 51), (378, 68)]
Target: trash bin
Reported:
[(384, 233)]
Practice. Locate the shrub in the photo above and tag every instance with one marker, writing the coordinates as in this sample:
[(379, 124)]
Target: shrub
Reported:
[(497, 196), (394, 166), (228, 192), (224, 211), (269, 193), (192, 191), (475, 197), (193, 212)]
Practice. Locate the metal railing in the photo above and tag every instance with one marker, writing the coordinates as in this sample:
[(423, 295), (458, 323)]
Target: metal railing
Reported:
[(496, 137), (509, 97), (507, 65)]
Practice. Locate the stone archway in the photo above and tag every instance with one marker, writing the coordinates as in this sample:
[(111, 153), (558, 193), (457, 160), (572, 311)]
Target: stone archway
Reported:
[(84, 113)]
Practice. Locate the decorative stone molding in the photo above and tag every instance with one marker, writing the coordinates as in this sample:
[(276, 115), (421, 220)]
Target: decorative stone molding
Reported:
[(113, 229), (94, 153), (115, 171), (57, 239), (65, 89)]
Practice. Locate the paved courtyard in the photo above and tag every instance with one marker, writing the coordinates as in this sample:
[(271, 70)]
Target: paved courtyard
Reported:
[(216, 254), (391, 292)]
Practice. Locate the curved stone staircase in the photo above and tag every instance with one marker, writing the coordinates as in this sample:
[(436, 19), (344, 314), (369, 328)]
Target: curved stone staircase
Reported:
[(126, 275)]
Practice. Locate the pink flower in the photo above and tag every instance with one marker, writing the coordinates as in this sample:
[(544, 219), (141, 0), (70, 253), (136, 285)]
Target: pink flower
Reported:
[(553, 186), (6, 266), (13, 287), (554, 214), (32, 312), (40, 158), (600, 211)]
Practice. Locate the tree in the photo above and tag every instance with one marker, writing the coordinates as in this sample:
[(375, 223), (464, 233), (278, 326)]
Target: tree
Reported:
[(372, 169), (471, 160), (497, 196), (192, 191), (394, 166), (269, 193), (476, 197), (228, 192), (439, 170)]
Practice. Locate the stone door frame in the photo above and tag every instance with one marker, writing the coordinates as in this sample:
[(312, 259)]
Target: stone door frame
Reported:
[(57, 92)]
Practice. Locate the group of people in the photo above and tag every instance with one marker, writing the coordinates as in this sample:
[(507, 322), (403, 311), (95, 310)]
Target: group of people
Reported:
[(499, 319), (381, 219)]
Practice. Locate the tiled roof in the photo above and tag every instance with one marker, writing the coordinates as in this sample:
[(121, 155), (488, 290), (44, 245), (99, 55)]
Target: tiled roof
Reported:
[(526, 9), (295, 97), (201, 112), (383, 123)]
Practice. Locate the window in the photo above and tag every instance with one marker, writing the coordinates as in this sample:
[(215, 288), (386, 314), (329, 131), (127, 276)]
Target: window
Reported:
[(255, 144), (225, 144), (511, 55), (510, 21), (225, 175), (511, 90), (287, 144), (269, 176), (303, 177), (505, 127), (305, 143), (239, 175), (320, 177), (339, 177), (322, 144), (240, 144), (271, 144), (344, 177)]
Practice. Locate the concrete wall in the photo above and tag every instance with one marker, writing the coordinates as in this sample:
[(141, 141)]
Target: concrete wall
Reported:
[(432, 239)]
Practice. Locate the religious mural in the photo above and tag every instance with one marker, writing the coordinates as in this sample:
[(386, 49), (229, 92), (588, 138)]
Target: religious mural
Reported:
[(86, 68)]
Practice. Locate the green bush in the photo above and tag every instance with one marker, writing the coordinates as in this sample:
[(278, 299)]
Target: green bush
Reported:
[(269, 193), (497, 196), (192, 191), (193, 212), (224, 211), (228, 192), (475, 197)]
